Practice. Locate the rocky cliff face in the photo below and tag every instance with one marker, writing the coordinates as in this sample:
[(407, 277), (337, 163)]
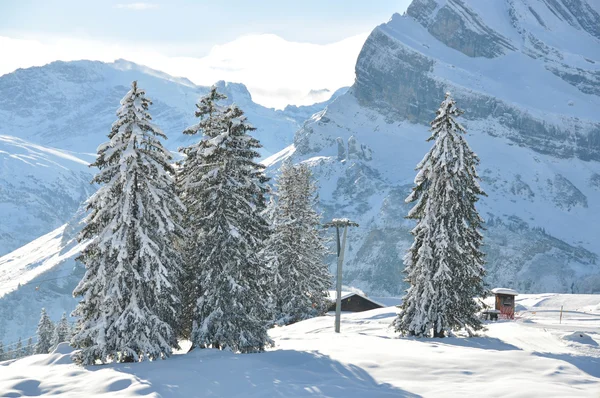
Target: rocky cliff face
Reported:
[(525, 72), (403, 73)]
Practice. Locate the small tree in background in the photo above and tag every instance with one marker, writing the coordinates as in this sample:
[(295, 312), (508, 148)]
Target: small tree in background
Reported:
[(62, 331), (20, 351), (30, 346), (444, 266), (45, 331), (2, 353)]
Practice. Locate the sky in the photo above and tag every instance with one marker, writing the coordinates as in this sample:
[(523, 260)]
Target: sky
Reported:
[(280, 49)]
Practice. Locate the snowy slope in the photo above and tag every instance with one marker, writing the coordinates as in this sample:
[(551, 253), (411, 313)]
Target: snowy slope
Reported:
[(531, 96), (40, 274), (530, 357), (40, 189)]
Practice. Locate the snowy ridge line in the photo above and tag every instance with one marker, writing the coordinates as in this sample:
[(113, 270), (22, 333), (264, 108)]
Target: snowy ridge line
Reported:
[(53, 151)]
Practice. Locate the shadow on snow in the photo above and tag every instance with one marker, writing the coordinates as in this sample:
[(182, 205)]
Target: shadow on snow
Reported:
[(587, 364), (280, 373)]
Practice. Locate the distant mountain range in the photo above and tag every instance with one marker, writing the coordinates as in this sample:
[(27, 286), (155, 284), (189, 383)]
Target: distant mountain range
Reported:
[(71, 106)]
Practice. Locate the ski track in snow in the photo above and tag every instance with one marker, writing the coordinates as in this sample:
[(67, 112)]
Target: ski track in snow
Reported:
[(533, 356)]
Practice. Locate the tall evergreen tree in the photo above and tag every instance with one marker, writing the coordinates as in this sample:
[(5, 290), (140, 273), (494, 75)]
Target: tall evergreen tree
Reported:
[(296, 249), (62, 331), (130, 289), (444, 266), (44, 333), (224, 189), (190, 186), (2, 352)]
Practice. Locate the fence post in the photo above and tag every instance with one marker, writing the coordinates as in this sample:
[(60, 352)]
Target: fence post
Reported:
[(561, 309)]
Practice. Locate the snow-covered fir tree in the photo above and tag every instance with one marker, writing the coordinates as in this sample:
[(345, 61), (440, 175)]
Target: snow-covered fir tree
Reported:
[(30, 347), (444, 265), (296, 249), (189, 180), (20, 351), (62, 331), (224, 189), (130, 289), (44, 333), (2, 352)]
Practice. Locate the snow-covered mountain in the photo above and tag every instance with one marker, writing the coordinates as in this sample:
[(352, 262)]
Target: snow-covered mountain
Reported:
[(40, 189), (71, 106), (527, 73)]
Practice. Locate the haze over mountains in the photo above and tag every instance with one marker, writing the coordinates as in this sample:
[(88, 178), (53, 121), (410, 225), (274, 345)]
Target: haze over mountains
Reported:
[(526, 72)]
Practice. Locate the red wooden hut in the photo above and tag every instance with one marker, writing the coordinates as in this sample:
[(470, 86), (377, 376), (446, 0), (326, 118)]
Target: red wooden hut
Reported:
[(505, 302)]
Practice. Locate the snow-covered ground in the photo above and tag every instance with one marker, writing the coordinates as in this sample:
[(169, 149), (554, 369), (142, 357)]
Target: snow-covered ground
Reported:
[(532, 356)]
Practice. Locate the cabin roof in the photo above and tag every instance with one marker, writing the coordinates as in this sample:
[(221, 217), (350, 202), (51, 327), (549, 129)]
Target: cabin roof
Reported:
[(345, 295), (503, 290)]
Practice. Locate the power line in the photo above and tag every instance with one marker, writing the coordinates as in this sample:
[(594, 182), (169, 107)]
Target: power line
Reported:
[(38, 283)]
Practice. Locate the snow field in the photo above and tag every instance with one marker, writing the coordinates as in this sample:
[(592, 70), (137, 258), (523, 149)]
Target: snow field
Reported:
[(529, 357)]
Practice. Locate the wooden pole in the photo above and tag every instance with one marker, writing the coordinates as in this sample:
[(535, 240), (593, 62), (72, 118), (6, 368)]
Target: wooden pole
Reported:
[(561, 309)]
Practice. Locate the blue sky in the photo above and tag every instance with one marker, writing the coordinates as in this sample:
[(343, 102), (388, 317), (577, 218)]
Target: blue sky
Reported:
[(165, 33)]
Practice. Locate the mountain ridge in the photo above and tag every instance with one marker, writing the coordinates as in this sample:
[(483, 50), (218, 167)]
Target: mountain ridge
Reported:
[(537, 134)]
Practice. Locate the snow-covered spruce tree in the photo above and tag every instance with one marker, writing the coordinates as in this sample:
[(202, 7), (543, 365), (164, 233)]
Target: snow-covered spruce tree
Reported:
[(2, 352), (62, 331), (129, 291), (444, 265), (30, 347), (225, 190), (44, 333), (18, 352), (296, 249), (189, 180)]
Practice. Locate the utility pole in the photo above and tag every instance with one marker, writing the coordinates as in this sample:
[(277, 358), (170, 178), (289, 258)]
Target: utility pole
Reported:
[(337, 223)]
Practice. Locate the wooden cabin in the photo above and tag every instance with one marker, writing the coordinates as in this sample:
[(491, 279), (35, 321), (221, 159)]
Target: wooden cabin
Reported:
[(354, 302), (505, 302)]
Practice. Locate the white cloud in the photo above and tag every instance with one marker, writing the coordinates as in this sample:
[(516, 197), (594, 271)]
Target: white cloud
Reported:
[(277, 72), (137, 6)]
